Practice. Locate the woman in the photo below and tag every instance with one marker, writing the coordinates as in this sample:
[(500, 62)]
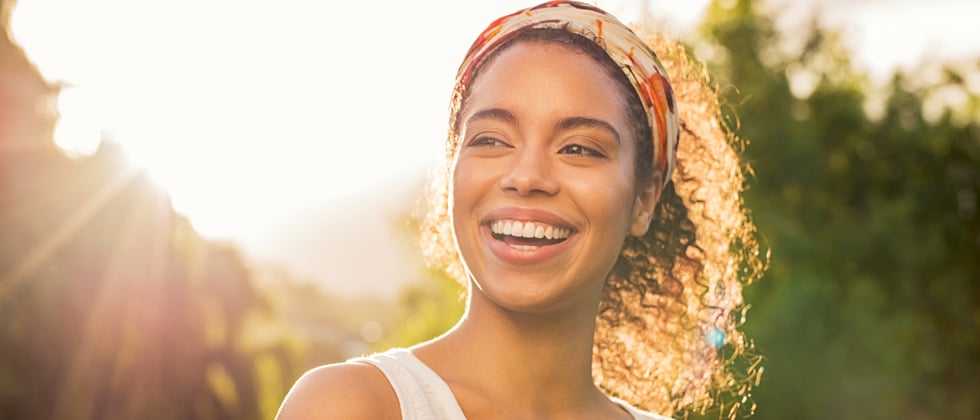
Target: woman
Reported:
[(596, 273)]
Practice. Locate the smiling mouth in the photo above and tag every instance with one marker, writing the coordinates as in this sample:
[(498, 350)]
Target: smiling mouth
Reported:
[(526, 235)]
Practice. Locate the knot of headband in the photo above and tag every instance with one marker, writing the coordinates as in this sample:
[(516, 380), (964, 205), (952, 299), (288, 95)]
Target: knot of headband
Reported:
[(621, 44)]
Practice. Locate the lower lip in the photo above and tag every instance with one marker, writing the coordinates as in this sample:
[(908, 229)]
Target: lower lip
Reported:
[(515, 256)]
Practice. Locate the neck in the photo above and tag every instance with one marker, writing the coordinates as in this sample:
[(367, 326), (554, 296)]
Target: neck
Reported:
[(533, 361)]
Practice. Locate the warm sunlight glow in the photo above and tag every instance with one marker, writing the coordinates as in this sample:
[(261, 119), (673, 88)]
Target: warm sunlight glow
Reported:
[(246, 128), (252, 114), (78, 132)]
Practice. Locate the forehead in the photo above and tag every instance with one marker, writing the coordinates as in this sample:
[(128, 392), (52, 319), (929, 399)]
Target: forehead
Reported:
[(545, 74)]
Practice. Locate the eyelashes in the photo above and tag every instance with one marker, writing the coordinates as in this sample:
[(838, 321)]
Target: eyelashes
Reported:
[(580, 150), (570, 149), (487, 141)]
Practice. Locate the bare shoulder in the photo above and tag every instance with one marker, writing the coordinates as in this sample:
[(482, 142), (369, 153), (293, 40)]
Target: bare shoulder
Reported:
[(341, 391)]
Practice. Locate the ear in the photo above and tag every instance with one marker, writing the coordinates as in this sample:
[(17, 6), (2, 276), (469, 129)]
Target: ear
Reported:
[(646, 202)]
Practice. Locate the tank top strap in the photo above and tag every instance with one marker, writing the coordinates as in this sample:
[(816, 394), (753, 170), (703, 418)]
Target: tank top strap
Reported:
[(422, 394)]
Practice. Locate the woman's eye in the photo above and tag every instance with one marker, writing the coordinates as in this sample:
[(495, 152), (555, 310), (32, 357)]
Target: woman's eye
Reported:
[(487, 141), (577, 149)]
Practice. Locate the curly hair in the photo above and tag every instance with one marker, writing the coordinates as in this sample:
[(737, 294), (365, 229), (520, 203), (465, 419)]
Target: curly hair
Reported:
[(667, 330)]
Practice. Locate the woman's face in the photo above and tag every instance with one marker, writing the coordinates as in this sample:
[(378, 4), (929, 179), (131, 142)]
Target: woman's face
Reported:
[(543, 186)]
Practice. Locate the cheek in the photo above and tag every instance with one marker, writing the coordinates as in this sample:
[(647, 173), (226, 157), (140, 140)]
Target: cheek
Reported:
[(618, 204), (611, 200), (464, 187), (458, 181), (468, 185), (473, 176)]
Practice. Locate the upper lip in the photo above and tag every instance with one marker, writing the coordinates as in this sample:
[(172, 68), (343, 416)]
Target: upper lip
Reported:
[(527, 215)]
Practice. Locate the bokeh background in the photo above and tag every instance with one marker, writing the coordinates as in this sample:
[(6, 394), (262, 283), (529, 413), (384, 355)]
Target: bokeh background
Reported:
[(201, 200)]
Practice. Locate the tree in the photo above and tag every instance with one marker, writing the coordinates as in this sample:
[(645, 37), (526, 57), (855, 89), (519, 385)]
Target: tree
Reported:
[(112, 306), (870, 306)]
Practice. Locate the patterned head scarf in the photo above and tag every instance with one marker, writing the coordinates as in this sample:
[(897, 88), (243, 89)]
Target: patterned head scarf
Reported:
[(621, 44)]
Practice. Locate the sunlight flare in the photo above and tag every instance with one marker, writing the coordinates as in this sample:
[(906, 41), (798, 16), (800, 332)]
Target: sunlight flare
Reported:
[(77, 132)]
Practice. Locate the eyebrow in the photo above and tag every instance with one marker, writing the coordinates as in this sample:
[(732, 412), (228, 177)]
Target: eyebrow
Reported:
[(492, 114), (570, 123), (585, 122)]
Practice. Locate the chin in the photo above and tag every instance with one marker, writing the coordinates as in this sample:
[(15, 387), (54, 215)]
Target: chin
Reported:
[(521, 294)]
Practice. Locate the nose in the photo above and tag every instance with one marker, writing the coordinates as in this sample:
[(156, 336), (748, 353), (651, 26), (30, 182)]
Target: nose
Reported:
[(530, 174)]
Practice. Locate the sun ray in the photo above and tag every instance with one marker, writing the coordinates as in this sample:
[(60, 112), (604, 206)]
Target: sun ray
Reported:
[(123, 342), (63, 232)]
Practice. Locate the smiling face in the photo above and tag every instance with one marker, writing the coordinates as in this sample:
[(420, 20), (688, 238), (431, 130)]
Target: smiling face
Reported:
[(543, 189)]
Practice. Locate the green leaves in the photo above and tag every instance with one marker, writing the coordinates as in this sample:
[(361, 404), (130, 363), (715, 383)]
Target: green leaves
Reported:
[(870, 307)]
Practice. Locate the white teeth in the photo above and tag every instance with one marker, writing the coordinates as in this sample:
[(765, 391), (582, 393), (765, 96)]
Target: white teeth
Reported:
[(528, 230)]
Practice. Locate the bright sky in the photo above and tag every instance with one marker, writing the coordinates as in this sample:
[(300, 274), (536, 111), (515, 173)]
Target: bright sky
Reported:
[(249, 112), (254, 112)]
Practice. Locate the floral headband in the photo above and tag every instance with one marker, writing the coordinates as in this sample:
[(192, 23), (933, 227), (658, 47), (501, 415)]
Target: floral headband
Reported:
[(621, 44)]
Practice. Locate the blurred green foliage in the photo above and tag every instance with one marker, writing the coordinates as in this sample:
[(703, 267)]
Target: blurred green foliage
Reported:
[(425, 310), (867, 197)]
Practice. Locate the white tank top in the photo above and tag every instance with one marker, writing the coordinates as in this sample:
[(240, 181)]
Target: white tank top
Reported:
[(423, 395)]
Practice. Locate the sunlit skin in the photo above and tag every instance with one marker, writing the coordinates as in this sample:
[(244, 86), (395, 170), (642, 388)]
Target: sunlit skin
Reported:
[(544, 138)]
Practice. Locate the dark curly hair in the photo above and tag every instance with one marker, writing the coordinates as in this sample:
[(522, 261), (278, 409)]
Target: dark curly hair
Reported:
[(667, 331)]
